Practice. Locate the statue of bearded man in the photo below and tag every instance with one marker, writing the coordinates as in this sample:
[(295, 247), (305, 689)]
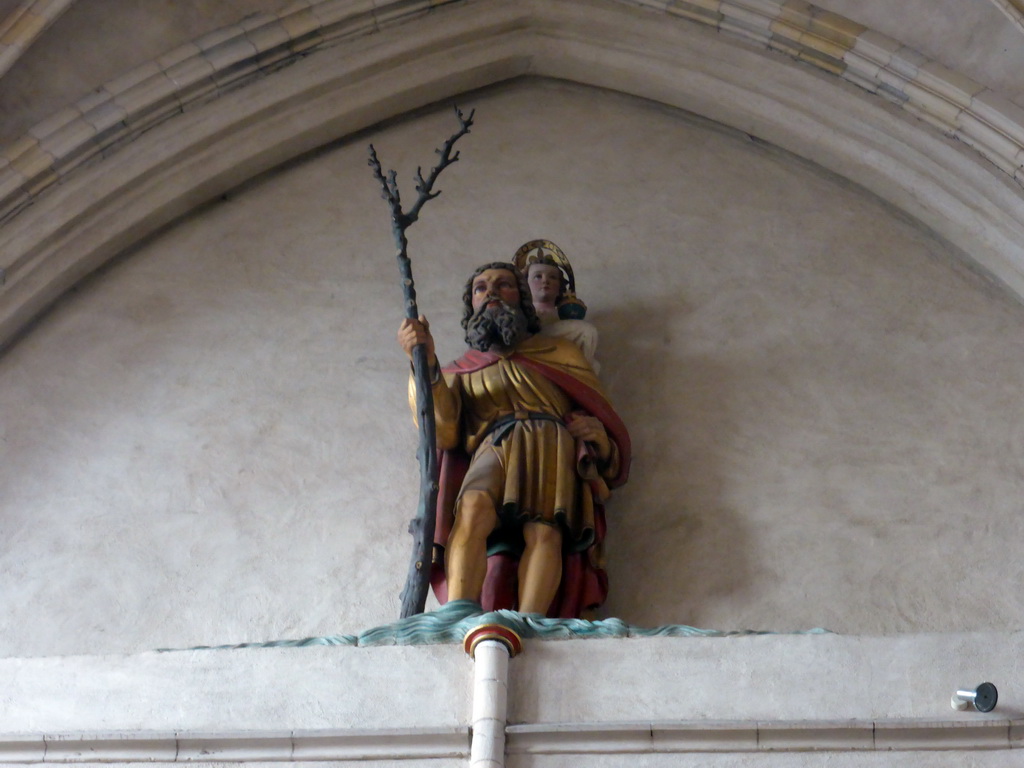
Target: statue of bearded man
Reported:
[(531, 446)]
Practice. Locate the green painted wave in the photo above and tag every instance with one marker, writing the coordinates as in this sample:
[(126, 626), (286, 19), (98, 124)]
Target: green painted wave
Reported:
[(453, 621)]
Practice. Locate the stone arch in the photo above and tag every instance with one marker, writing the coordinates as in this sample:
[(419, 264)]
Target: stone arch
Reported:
[(24, 25), (147, 147)]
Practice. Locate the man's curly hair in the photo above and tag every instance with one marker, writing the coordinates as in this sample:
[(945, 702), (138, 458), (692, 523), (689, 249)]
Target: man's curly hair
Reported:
[(525, 300)]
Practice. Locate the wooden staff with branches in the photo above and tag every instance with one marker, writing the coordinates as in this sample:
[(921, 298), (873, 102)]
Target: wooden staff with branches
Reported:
[(414, 594)]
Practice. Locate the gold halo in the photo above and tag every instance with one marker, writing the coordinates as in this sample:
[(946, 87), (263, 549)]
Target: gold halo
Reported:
[(530, 252)]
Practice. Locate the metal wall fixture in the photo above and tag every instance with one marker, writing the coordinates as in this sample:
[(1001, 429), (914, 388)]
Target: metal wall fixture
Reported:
[(984, 698)]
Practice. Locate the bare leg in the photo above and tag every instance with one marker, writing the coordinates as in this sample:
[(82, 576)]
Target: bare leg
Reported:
[(540, 567), (466, 554)]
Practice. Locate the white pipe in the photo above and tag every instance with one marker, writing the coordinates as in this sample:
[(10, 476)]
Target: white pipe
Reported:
[(490, 704)]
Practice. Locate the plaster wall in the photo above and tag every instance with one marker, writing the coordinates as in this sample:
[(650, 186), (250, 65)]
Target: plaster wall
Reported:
[(208, 441)]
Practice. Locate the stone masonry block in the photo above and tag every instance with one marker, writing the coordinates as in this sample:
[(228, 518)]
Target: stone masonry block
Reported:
[(50, 8), (796, 12), (876, 47), (271, 41), (192, 78), (92, 100), (999, 112), (54, 122), (106, 115), (392, 12), (69, 140), (348, 17), (784, 30), (156, 92), (838, 29), (989, 140), (303, 28), (861, 67), (769, 8), (26, 157), (177, 56), (232, 59), (10, 181), (293, 6), (703, 11), (906, 61), (823, 46), (830, 64), (218, 37), (132, 78), (747, 19), (951, 84), (25, 29), (942, 102), (266, 35)]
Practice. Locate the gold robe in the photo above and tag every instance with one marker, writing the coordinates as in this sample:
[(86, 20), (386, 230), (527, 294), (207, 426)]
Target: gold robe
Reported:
[(531, 467)]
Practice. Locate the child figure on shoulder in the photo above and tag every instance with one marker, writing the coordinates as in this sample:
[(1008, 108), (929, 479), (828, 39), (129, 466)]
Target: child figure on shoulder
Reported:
[(553, 289)]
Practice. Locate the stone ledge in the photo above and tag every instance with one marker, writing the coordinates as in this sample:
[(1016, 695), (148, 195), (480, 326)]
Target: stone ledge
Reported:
[(754, 736), (664, 737), (660, 694), (237, 746)]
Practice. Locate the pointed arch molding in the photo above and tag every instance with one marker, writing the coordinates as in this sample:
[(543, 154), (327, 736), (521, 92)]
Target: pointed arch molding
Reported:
[(1014, 10), (149, 146), (24, 25)]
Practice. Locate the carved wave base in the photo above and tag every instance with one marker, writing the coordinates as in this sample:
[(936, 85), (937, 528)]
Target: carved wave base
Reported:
[(454, 620)]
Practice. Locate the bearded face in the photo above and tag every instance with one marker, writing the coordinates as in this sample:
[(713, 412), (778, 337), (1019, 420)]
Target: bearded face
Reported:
[(496, 324), (496, 308)]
